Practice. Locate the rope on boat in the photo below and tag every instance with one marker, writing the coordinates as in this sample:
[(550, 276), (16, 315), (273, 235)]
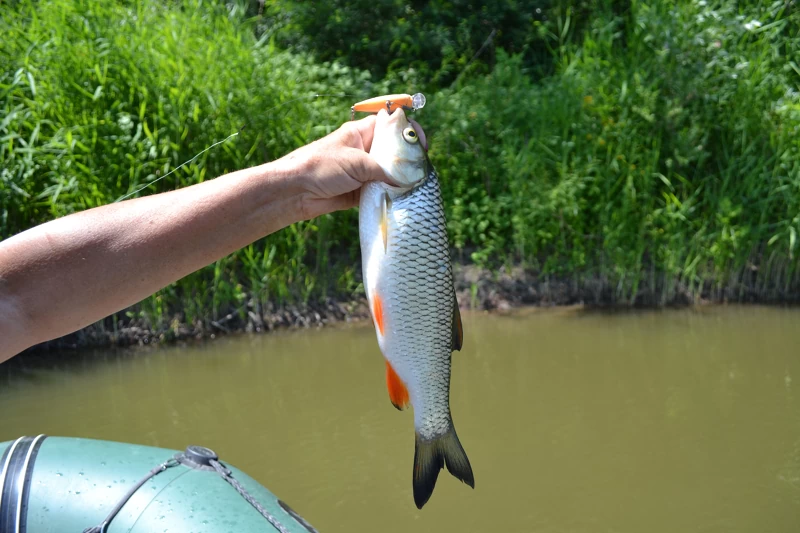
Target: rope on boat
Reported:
[(103, 527), (226, 475), (194, 457)]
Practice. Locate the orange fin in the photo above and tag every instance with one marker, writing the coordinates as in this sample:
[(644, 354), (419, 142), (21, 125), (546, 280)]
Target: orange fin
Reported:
[(458, 329), (377, 312), (398, 393)]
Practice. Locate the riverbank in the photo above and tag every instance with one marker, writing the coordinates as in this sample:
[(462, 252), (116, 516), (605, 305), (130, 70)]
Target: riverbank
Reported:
[(626, 162), (477, 289)]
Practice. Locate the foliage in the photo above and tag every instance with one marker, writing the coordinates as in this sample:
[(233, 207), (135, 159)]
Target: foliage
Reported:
[(419, 44), (638, 142), (665, 146), (100, 98)]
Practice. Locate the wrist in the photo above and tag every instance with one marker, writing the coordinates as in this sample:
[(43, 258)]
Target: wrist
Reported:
[(280, 189), (295, 170)]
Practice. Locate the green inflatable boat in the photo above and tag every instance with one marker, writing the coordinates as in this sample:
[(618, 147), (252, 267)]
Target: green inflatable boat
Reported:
[(59, 485)]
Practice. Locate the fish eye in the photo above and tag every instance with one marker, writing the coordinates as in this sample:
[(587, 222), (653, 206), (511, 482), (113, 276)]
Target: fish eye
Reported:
[(410, 135)]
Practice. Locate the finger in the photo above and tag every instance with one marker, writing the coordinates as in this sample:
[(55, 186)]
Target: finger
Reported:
[(343, 201), (360, 166), (366, 130), (315, 207), (353, 198)]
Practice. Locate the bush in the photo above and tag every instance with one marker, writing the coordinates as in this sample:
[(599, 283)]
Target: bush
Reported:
[(419, 45), (665, 148), (100, 98)]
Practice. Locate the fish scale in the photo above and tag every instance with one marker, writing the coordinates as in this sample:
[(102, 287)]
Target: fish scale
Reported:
[(422, 297), (408, 279)]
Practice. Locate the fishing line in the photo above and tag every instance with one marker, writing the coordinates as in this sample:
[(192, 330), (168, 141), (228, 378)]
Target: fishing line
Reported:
[(232, 135), (310, 96)]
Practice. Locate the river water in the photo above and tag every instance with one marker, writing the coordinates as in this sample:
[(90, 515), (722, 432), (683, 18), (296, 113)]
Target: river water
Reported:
[(574, 421)]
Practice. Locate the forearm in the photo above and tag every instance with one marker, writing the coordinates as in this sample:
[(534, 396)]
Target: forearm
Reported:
[(66, 274)]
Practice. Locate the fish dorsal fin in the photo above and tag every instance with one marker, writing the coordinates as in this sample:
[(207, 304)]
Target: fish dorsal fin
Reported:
[(458, 329), (398, 393)]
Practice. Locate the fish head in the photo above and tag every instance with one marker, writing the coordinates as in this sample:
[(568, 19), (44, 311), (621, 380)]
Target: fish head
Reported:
[(399, 147)]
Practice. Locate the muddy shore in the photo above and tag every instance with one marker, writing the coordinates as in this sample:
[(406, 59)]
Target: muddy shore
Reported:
[(477, 289)]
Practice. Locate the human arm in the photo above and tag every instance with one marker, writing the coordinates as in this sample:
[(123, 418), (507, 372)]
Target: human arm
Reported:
[(68, 273)]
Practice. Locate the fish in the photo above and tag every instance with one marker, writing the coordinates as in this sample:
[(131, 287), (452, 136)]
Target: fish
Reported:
[(408, 279)]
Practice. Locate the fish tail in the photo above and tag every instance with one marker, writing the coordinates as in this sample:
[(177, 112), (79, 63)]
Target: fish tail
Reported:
[(430, 456)]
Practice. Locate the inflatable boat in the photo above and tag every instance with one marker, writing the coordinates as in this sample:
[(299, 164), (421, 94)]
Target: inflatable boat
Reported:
[(59, 484)]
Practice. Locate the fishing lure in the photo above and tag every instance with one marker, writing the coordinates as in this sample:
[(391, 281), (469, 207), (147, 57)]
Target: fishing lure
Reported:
[(390, 102)]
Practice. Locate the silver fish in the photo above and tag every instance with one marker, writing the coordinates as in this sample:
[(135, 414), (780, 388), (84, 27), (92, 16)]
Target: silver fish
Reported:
[(409, 283)]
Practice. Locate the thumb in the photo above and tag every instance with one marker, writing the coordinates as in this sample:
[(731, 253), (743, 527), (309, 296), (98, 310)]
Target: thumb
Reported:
[(361, 166)]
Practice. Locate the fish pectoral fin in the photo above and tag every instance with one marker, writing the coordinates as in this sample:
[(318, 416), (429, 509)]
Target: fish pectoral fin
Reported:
[(458, 329), (398, 393), (377, 312), (386, 206)]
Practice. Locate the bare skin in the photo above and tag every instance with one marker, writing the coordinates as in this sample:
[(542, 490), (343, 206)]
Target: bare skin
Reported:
[(68, 273)]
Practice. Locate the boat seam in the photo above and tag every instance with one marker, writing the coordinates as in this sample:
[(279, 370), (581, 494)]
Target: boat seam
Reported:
[(23, 474), (5, 468)]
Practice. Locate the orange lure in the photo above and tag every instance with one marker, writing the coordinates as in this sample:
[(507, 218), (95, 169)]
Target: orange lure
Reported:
[(390, 102)]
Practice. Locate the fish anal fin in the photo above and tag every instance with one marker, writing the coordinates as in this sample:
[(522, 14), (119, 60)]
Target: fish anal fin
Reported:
[(398, 393), (458, 329)]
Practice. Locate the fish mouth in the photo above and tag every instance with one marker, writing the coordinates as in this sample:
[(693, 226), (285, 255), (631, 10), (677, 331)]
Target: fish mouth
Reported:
[(397, 116), (398, 119)]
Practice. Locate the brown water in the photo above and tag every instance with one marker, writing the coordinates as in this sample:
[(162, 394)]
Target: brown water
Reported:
[(674, 421)]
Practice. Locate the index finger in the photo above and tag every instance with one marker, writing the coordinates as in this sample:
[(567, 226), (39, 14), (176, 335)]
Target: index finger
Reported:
[(365, 128)]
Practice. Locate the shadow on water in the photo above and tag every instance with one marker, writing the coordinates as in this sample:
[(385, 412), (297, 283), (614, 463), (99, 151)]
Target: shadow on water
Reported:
[(44, 365)]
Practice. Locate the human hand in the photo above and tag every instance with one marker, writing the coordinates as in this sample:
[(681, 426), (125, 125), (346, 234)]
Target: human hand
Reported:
[(330, 171)]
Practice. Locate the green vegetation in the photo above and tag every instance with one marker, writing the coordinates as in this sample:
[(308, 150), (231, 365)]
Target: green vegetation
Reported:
[(650, 145), (100, 98), (428, 44), (665, 152)]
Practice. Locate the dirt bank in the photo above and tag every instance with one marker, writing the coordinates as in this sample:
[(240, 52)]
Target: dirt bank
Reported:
[(481, 289)]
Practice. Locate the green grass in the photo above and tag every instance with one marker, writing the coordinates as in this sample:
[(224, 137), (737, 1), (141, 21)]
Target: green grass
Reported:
[(660, 153)]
